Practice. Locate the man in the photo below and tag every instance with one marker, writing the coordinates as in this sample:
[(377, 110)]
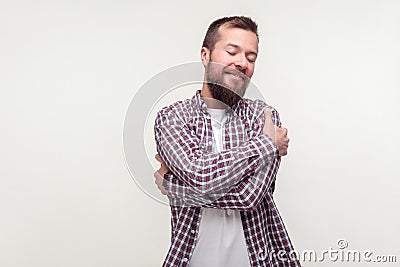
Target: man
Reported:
[(219, 155)]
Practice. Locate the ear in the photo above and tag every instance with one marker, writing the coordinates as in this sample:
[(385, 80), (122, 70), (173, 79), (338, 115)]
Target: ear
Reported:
[(205, 56)]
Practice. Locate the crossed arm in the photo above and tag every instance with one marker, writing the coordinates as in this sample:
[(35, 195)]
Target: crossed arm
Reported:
[(237, 178)]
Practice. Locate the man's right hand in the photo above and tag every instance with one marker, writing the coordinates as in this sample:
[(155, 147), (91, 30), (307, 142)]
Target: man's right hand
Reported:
[(159, 175), (277, 134)]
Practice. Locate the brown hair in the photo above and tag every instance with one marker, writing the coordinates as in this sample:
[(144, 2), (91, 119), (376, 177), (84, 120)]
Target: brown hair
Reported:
[(240, 22)]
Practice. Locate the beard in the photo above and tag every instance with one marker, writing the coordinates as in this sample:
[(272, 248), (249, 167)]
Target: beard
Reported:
[(226, 84)]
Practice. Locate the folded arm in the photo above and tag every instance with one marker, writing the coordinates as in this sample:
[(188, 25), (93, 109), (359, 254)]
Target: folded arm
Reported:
[(246, 181), (247, 194), (206, 173)]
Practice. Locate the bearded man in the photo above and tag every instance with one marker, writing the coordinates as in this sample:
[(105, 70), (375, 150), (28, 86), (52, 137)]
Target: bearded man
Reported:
[(219, 155)]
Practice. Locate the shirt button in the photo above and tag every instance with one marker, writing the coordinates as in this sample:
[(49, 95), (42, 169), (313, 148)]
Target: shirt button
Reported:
[(185, 260), (193, 231), (210, 143)]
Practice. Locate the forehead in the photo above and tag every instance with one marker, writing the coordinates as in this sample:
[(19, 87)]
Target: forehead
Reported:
[(244, 38)]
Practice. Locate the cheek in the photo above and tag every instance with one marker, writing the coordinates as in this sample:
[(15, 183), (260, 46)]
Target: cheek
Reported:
[(222, 58), (250, 71)]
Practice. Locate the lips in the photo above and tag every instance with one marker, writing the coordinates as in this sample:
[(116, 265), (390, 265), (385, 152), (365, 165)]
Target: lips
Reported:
[(236, 75)]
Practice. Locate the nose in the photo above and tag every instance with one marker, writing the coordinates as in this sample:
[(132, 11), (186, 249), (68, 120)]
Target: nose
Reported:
[(241, 62)]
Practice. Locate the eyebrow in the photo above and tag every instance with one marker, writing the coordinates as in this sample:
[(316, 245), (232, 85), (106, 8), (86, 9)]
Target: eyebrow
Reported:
[(237, 46)]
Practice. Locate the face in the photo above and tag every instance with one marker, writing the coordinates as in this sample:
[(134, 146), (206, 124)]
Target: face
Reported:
[(230, 65)]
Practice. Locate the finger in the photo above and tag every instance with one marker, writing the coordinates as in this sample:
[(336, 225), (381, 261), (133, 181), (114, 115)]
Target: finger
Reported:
[(269, 126), (286, 140), (268, 116), (158, 182), (156, 175), (160, 160), (162, 190), (283, 153)]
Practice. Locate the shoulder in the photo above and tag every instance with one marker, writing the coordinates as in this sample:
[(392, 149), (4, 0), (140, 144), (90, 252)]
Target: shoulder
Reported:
[(254, 111), (256, 107), (179, 110)]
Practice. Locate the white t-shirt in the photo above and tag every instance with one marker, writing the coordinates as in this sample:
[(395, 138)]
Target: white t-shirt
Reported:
[(220, 241)]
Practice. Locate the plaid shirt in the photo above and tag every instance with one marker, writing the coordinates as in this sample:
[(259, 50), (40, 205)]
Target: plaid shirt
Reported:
[(240, 177)]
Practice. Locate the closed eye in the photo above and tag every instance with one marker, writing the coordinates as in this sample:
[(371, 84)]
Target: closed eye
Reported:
[(252, 58)]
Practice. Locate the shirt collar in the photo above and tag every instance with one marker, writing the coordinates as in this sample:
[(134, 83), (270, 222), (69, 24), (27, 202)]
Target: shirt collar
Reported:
[(200, 102), (231, 110)]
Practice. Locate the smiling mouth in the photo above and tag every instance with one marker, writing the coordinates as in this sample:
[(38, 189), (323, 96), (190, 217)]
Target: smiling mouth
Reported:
[(236, 76)]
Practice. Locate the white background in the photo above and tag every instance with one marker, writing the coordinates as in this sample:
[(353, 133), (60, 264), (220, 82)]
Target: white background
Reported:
[(70, 68)]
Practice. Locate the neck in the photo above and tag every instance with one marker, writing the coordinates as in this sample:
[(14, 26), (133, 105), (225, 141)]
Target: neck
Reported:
[(208, 98)]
